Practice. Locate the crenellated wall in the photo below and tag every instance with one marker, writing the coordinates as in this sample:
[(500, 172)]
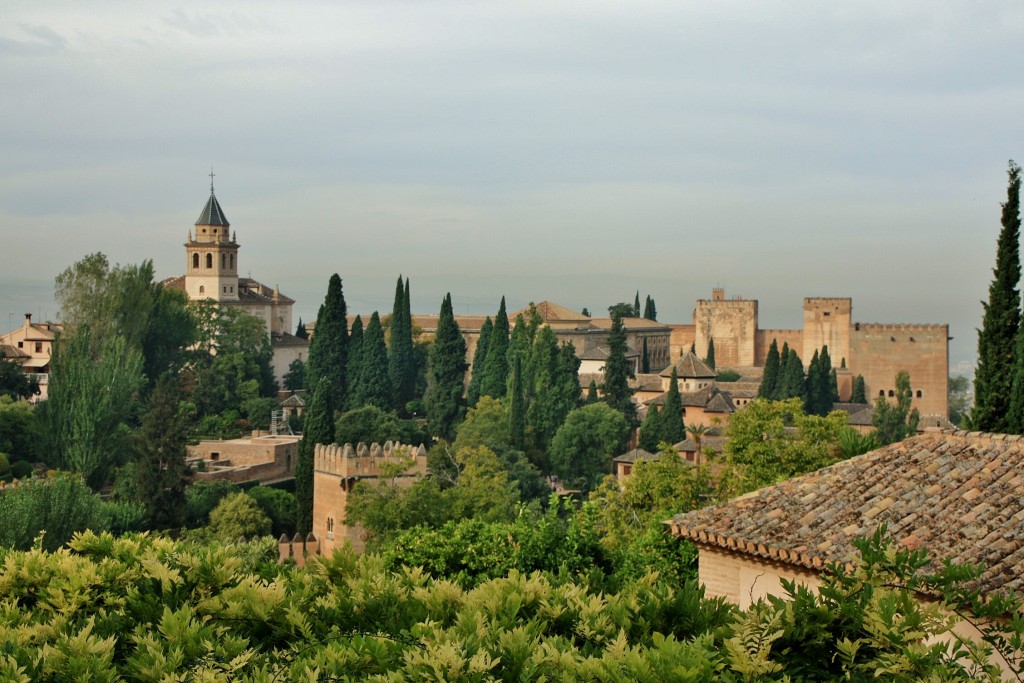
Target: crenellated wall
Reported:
[(879, 351), (337, 469), (732, 324)]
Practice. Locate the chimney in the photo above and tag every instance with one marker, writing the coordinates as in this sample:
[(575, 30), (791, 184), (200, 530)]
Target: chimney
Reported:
[(28, 320)]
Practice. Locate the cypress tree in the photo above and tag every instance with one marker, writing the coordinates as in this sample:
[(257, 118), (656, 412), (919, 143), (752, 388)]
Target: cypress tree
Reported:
[(858, 394), (479, 361), (650, 311), (650, 430), (833, 387), (328, 352), (355, 349), (317, 427), (710, 360), (300, 330), (779, 393), (813, 388), (401, 359), (645, 359), (373, 383), (770, 378), (672, 428), (636, 305), (693, 348), (792, 385), (617, 392), (592, 396), (517, 407), (495, 376), (446, 372), (160, 469), (997, 338)]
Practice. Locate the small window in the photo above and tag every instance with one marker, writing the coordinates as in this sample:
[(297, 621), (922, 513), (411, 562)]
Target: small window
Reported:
[(223, 260), (919, 393), (231, 260), (881, 392), (826, 314), (195, 261), (215, 456), (202, 289), (209, 260), (39, 347), (892, 393), (626, 470)]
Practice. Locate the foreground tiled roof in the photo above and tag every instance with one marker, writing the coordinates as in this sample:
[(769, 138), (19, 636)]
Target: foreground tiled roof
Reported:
[(959, 495)]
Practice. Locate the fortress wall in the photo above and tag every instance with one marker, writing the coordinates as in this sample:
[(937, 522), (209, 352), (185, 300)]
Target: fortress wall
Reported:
[(732, 324), (763, 342), (827, 323), (879, 351), (683, 336), (336, 469)]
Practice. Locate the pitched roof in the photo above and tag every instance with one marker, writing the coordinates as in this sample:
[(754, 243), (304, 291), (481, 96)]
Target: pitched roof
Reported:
[(958, 494), (636, 455), (690, 367), (550, 311), (212, 213), (603, 353)]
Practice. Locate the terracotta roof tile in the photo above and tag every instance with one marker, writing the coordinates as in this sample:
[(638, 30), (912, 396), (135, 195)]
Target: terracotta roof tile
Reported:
[(958, 494), (690, 367)]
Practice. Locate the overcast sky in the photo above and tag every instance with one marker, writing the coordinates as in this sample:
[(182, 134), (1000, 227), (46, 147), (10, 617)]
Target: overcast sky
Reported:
[(568, 151)]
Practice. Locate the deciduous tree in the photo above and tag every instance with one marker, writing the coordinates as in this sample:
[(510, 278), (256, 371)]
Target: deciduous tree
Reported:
[(896, 422), (581, 452)]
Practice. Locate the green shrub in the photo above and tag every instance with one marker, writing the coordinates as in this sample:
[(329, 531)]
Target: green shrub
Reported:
[(201, 497), (238, 516), (58, 505), (278, 505)]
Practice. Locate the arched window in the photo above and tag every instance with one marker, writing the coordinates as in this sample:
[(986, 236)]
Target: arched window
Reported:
[(919, 393), (195, 261), (202, 289), (892, 393), (881, 392), (223, 260), (209, 260), (231, 261)]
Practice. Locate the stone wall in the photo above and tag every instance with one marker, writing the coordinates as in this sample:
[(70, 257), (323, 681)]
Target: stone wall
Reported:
[(879, 351), (742, 580), (732, 323), (763, 342), (826, 323)]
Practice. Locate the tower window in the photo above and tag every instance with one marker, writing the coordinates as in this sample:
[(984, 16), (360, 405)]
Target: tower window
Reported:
[(202, 289), (231, 260), (209, 260), (892, 393), (195, 261), (919, 393), (223, 260)]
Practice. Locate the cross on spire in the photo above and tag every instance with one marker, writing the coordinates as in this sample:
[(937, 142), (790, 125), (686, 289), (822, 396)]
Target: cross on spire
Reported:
[(211, 180)]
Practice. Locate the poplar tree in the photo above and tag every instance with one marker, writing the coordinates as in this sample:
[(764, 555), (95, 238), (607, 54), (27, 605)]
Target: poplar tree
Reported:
[(617, 373), (997, 338), (650, 311), (479, 361), (770, 377), (446, 371), (317, 427), (328, 351), (494, 381), (373, 383), (672, 428)]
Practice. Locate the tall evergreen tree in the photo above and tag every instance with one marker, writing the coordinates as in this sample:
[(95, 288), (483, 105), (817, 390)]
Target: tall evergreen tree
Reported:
[(792, 384), (300, 330), (355, 361), (833, 386), (710, 360), (517, 405), (160, 469), (479, 361), (645, 359), (401, 357), (636, 305), (649, 437), (814, 389), (317, 427), (495, 376), (617, 373), (997, 338), (446, 371), (858, 394), (373, 383), (770, 378), (672, 428), (556, 387), (650, 311), (592, 396), (328, 351)]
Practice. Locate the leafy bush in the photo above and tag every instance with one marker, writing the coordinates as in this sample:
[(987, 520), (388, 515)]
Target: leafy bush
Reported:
[(278, 505), (238, 516), (60, 505), (201, 497)]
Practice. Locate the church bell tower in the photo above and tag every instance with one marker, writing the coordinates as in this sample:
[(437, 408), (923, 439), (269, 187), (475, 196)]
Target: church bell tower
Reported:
[(211, 270)]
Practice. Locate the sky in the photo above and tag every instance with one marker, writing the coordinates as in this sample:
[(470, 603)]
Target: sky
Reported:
[(577, 152)]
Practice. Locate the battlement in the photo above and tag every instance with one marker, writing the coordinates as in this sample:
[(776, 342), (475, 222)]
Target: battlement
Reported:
[(364, 460), (828, 300), (901, 327)]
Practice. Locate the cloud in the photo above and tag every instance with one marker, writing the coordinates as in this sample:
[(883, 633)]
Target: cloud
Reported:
[(41, 41)]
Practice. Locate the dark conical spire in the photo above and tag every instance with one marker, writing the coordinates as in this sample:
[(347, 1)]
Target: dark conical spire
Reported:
[(212, 213)]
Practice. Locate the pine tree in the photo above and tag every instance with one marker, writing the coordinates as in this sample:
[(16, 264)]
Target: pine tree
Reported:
[(997, 338), (160, 470), (672, 428), (495, 376), (636, 305), (516, 406), (592, 396), (858, 394), (373, 383), (479, 361), (300, 330), (650, 311), (446, 372), (355, 351), (617, 373), (710, 360), (317, 427), (770, 378), (328, 351), (645, 359)]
